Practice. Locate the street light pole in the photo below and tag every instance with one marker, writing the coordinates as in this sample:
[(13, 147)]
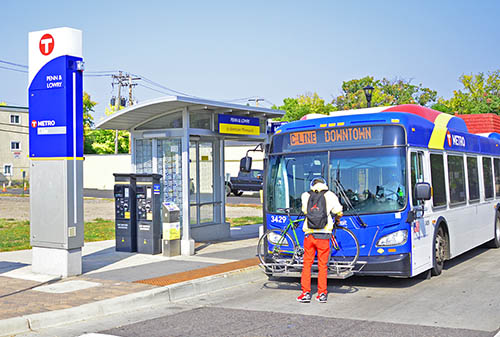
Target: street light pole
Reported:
[(368, 94)]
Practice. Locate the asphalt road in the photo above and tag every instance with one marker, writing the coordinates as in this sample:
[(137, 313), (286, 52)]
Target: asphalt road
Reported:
[(463, 301), (248, 198)]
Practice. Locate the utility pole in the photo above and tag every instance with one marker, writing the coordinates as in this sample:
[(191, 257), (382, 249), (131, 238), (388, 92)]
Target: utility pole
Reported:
[(256, 100), (123, 81)]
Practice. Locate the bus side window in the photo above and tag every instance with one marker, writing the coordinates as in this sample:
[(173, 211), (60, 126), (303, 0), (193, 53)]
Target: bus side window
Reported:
[(438, 183), (488, 178), (496, 166), (416, 173), (473, 179)]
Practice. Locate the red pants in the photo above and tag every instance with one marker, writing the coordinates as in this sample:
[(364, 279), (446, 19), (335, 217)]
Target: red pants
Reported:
[(311, 246)]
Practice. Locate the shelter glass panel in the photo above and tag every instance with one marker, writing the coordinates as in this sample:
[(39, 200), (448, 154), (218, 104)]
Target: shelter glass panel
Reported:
[(193, 214), (206, 172), (170, 167), (144, 156), (207, 213), (169, 121), (193, 172), (200, 119)]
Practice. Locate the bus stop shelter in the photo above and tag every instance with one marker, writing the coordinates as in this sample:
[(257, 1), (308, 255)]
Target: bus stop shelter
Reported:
[(182, 139)]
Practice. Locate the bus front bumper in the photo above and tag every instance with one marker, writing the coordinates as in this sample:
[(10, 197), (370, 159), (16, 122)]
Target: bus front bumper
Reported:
[(385, 265)]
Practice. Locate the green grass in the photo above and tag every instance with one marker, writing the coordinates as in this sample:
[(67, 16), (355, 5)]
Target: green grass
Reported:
[(99, 230), (245, 220), (15, 234)]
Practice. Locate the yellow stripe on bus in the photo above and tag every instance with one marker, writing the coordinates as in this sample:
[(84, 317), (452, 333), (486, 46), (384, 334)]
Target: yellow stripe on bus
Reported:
[(56, 158), (439, 132)]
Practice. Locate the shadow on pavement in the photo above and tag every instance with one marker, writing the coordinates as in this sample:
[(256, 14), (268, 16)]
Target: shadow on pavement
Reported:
[(9, 266), (102, 258), (465, 256)]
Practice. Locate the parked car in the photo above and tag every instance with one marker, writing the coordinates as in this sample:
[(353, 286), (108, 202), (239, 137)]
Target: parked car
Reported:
[(245, 181)]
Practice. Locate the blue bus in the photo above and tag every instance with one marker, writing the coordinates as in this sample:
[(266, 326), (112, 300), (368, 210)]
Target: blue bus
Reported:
[(380, 159)]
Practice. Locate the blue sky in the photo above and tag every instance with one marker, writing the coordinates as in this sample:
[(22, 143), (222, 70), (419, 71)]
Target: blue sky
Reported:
[(273, 49)]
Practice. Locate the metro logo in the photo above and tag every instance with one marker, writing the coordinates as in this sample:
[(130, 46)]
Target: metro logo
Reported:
[(448, 137), (46, 44), (33, 124)]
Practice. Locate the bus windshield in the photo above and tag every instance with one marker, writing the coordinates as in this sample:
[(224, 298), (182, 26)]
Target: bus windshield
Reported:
[(373, 180)]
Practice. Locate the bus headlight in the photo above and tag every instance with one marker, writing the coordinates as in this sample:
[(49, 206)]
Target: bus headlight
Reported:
[(393, 239)]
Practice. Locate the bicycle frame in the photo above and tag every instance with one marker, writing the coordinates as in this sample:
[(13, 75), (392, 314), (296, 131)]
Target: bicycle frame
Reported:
[(291, 225)]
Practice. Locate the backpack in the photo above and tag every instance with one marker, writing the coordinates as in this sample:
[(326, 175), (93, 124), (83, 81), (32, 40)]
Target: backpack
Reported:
[(317, 217)]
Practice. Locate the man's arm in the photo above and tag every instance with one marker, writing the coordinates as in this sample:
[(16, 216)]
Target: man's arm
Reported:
[(304, 198)]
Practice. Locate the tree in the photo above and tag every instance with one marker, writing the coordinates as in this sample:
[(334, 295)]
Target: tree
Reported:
[(88, 122), (305, 104), (480, 94), (88, 108), (386, 92), (103, 141)]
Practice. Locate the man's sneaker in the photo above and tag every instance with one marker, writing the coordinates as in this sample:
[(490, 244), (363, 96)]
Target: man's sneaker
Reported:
[(304, 298), (322, 298)]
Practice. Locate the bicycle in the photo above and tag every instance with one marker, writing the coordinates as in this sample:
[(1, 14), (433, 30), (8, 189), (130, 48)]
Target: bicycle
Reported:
[(279, 252)]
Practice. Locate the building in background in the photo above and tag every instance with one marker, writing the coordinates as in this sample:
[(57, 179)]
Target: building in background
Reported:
[(14, 127)]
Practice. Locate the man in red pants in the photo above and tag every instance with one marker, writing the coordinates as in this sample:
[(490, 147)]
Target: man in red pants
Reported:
[(317, 239)]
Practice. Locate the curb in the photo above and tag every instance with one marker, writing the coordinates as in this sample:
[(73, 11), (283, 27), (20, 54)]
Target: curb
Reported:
[(148, 298)]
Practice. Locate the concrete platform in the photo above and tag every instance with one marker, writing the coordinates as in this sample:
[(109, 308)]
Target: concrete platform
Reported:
[(112, 281)]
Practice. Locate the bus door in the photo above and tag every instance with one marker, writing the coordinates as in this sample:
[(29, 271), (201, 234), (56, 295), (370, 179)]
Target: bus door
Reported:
[(420, 229)]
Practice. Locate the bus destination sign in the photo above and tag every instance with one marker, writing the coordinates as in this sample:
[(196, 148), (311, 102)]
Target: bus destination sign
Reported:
[(343, 137), (331, 135), (303, 138)]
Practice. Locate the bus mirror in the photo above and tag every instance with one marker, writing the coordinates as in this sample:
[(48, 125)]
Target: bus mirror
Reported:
[(246, 164), (422, 191)]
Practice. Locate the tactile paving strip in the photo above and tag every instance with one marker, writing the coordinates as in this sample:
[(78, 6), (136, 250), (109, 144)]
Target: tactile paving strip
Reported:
[(199, 273)]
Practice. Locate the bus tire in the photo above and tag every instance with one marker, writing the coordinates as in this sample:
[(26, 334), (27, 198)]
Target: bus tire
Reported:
[(439, 251), (495, 243)]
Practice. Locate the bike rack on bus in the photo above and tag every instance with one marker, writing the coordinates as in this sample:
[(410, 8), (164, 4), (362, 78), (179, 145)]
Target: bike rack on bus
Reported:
[(337, 270)]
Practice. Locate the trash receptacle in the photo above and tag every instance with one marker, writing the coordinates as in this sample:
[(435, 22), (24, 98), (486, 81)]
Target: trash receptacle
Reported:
[(148, 192), (125, 219), (171, 229)]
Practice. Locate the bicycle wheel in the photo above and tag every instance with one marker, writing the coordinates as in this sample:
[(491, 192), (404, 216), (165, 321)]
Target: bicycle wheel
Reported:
[(344, 249), (275, 250)]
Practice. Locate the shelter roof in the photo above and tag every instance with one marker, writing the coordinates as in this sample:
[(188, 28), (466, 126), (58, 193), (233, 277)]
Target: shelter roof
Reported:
[(134, 115)]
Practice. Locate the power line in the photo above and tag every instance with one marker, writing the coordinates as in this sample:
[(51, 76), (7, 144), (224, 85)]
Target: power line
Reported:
[(113, 74), (161, 92), (163, 87), (14, 64), (18, 70)]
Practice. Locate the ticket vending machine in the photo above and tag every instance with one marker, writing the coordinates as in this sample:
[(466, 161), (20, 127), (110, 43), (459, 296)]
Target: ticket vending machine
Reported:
[(148, 213), (125, 219)]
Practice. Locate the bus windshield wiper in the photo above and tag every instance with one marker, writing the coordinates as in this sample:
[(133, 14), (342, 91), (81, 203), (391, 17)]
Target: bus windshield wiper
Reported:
[(343, 195)]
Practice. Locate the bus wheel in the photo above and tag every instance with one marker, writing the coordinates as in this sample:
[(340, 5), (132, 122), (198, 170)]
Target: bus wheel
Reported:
[(439, 252), (495, 243)]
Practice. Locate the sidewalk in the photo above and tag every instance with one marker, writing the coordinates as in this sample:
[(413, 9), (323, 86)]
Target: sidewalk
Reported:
[(115, 281)]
